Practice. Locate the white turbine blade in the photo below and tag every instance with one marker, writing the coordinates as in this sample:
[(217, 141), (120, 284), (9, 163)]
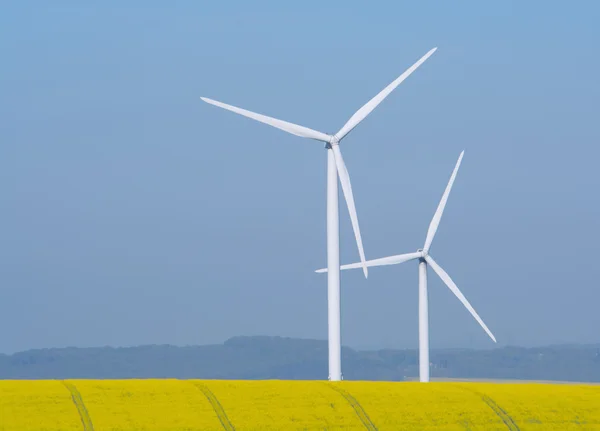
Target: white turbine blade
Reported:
[(435, 221), (294, 129), (391, 260), (454, 288), (362, 113), (347, 189)]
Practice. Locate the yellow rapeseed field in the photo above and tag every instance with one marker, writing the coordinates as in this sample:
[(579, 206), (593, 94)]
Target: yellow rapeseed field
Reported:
[(282, 405), (115, 405), (37, 405), (418, 406), (547, 407), (179, 405)]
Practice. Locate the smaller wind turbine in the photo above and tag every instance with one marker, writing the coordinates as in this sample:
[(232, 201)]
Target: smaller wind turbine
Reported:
[(424, 259)]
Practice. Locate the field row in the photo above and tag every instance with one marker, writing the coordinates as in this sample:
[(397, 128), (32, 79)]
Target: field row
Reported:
[(113, 405)]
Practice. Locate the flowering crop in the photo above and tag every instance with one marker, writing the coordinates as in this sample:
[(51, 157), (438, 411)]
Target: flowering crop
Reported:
[(37, 406), (193, 405)]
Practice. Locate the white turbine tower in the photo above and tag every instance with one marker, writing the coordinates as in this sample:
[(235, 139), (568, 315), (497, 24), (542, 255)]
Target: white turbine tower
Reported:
[(335, 167), (425, 259)]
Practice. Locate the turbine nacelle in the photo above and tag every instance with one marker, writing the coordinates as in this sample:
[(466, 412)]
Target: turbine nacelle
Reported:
[(333, 141)]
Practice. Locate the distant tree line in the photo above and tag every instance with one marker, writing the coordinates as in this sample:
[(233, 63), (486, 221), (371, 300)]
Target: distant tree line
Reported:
[(287, 358)]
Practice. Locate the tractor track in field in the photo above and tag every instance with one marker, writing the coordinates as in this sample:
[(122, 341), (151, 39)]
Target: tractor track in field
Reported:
[(216, 405), (86, 421), (358, 409), (500, 412)]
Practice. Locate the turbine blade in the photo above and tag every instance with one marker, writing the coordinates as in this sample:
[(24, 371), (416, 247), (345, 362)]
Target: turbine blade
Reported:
[(292, 128), (362, 113), (454, 288), (391, 260), (435, 221), (347, 189)]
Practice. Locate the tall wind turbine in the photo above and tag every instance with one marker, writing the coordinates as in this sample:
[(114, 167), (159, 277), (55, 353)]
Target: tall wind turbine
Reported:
[(422, 255), (335, 167)]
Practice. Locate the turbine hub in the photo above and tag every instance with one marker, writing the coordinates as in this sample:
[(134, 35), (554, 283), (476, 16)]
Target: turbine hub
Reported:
[(333, 140), (423, 253)]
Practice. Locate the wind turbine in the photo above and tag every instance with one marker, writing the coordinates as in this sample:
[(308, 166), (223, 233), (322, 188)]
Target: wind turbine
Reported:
[(422, 255), (335, 167)]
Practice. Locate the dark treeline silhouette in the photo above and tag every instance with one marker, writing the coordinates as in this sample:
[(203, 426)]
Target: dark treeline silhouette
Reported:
[(287, 358)]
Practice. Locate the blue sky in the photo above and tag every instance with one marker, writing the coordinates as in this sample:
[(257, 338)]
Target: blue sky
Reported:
[(133, 213)]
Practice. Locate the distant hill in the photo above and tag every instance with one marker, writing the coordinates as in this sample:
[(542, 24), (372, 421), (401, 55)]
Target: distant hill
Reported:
[(287, 358)]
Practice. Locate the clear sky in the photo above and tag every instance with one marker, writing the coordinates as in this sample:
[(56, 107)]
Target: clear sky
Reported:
[(134, 213)]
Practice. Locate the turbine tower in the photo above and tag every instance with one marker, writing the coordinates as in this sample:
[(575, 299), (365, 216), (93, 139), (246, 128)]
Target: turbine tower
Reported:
[(422, 255), (335, 167)]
